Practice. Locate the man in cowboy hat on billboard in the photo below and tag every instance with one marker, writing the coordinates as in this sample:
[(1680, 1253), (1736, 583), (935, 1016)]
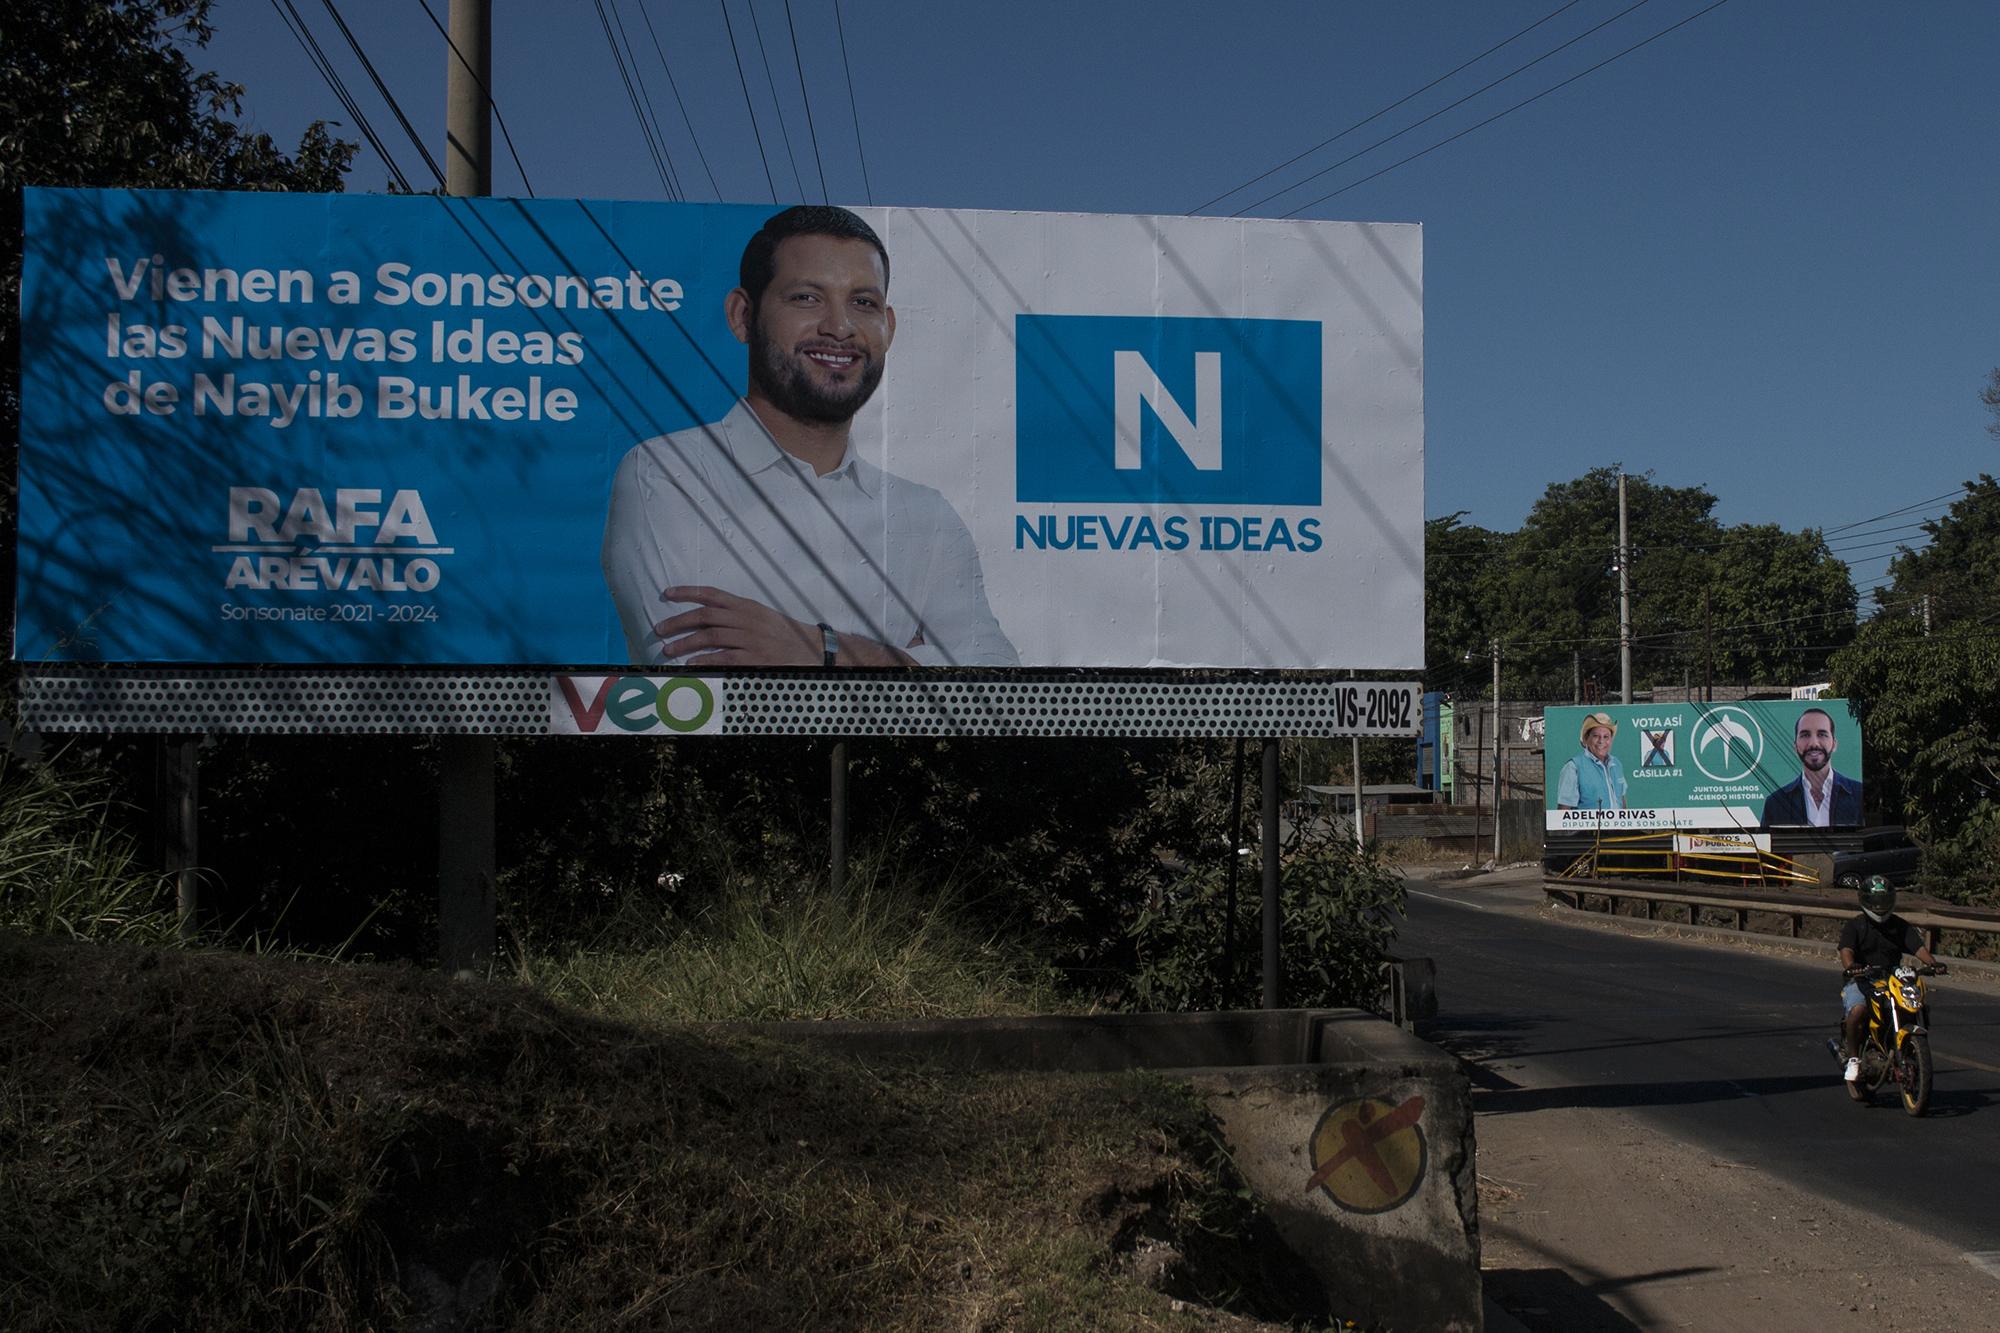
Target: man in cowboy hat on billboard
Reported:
[(1591, 781)]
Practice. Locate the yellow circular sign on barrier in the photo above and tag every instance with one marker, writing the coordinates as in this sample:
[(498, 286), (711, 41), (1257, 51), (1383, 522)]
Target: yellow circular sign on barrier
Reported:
[(1369, 1155)]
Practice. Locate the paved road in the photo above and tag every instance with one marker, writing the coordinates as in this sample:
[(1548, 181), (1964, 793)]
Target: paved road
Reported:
[(1721, 1046)]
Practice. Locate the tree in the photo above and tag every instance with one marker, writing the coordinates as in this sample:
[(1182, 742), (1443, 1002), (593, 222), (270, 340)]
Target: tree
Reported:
[(1956, 574), (102, 93), (1777, 600), (1461, 566), (1751, 603), (1928, 695), (1561, 591)]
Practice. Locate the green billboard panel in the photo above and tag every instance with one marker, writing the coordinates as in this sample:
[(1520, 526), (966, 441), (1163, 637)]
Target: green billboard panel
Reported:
[(1754, 765)]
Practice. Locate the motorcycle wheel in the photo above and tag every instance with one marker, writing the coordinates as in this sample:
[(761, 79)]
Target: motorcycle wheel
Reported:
[(1914, 1076)]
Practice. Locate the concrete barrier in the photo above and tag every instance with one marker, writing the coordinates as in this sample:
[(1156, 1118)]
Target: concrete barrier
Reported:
[(1357, 1136)]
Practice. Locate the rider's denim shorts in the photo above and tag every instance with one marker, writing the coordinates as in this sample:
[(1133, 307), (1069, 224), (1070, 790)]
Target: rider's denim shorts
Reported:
[(1851, 997)]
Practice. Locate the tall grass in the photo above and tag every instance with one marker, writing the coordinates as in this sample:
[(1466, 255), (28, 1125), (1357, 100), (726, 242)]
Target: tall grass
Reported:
[(892, 947), (66, 868)]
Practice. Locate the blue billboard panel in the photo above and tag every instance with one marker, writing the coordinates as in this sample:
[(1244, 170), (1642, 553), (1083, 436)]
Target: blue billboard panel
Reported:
[(274, 428), (1219, 411)]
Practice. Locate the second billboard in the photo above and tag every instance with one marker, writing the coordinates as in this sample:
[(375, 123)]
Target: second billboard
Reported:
[(1754, 765)]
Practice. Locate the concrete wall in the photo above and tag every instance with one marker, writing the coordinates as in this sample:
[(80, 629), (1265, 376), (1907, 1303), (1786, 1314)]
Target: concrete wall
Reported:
[(1357, 1136)]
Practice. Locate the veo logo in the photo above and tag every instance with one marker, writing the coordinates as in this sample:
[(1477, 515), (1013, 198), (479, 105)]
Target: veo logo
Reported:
[(685, 705), (1166, 410)]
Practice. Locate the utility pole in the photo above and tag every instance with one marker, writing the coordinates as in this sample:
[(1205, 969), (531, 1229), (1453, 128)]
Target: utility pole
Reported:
[(468, 161), (1624, 601), (1496, 752), (1707, 649), (466, 861)]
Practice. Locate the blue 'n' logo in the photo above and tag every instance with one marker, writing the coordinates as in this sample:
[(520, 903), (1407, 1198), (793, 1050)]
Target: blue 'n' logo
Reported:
[(1166, 411)]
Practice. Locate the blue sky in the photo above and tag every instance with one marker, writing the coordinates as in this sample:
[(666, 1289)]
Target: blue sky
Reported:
[(1756, 254)]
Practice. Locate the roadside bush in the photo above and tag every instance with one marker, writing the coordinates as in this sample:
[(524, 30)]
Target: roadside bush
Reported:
[(895, 946), (66, 867), (1965, 867), (1339, 905)]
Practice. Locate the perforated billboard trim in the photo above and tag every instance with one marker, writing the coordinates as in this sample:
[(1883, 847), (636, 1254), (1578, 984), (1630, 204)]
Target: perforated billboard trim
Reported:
[(744, 704)]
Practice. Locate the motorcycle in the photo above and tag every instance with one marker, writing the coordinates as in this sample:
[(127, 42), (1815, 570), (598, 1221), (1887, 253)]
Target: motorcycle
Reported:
[(1898, 1046)]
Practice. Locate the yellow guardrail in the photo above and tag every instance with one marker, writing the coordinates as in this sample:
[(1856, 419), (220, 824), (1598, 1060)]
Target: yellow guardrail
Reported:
[(1644, 854)]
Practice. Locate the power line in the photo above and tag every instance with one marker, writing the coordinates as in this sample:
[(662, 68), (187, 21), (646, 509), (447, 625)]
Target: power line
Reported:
[(295, 23), (632, 96), (806, 98), (1848, 544), (1452, 106), (867, 190), (1385, 110), (777, 103), (491, 101), (1951, 494), (1528, 101), (660, 51), (395, 107), (744, 83), (1863, 546), (659, 135)]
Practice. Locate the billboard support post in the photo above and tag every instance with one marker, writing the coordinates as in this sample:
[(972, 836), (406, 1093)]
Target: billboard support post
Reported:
[(184, 778), (837, 820), (1235, 864), (1271, 978), (466, 857)]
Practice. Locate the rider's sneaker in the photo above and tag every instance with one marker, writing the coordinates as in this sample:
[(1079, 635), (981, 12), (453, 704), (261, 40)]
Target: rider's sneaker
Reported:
[(1853, 1069)]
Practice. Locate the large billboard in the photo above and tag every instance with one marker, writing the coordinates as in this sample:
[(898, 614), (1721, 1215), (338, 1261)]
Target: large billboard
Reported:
[(303, 429), (1742, 766)]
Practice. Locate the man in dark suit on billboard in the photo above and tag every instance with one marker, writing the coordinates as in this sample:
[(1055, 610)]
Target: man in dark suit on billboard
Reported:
[(1818, 797)]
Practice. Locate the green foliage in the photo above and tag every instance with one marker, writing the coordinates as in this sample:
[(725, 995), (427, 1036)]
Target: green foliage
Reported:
[(1750, 603), (1955, 574), (102, 93), (207, 1141), (279, 844), (1964, 866), (66, 866), (890, 948), (1339, 904), (1930, 701), (1777, 599), (1460, 570)]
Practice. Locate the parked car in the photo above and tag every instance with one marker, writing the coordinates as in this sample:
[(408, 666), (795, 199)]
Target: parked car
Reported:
[(1885, 850)]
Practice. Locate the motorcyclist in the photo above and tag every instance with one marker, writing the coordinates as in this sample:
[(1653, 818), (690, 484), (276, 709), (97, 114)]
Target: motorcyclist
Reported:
[(1876, 938)]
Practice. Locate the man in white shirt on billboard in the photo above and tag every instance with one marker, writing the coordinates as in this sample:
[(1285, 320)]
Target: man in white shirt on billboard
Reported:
[(761, 540)]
